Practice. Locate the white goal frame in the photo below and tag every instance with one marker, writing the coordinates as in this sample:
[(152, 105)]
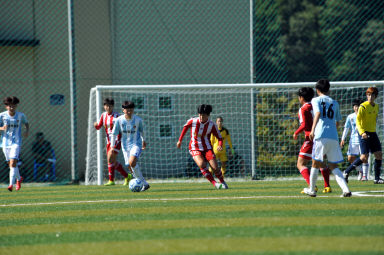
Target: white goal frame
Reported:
[(99, 107)]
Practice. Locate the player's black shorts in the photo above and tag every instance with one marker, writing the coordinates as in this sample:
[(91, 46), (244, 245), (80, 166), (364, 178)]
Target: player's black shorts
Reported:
[(371, 144)]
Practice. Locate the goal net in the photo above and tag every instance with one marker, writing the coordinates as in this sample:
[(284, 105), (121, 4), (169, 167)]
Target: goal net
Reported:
[(261, 119)]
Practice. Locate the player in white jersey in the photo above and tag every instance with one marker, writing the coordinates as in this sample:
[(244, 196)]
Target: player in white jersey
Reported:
[(354, 144), (106, 120), (324, 134), (11, 123), (131, 128)]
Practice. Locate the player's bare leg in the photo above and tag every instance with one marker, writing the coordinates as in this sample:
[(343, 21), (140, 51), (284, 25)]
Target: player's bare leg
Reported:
[(217, 171), (202, 164)]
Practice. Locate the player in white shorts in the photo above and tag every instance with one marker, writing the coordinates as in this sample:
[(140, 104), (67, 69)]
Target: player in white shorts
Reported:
[(11, 123), (131, 128), (325, 138), (354, 144)]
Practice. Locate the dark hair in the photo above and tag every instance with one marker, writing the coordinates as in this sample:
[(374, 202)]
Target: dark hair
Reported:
[(357, 102), (11, 100), (204, 109), (373, 91), (128, 105), (109, 101), (221, 118), (323, 85), (39, 134), (307, 93)]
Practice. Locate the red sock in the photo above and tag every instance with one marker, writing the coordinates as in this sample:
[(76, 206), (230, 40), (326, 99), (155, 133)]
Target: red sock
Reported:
[(305, 173), (208, 175), (111, 172), (325, 172), (121, 170), (219, 176)]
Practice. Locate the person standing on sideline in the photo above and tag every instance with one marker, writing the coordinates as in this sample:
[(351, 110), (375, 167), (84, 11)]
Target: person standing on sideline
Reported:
[(106, 120), (325, 138), (200, 146), (369, 141), (354, 144), (305, 155), (221, 155), (11, 123), (131, 128)]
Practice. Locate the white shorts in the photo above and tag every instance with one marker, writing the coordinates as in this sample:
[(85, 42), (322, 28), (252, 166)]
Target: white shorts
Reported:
[(11, 152), (353, 149), (327, 147), (132, 151)]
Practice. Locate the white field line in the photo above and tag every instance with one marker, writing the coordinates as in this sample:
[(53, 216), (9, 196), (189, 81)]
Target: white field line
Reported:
[(360, 194)]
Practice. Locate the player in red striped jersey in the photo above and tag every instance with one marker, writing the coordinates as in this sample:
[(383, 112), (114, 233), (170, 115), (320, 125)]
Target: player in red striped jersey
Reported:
[(200, 146), (107, 119), (306, 119)]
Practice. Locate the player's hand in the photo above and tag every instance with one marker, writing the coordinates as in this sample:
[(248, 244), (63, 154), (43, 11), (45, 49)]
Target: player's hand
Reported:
[(144, 145), (364, 135), (295, 136), (3, 128), (342, 143), (219, 148), (311, 136), (95, 124), (233, 152), (178, 145)]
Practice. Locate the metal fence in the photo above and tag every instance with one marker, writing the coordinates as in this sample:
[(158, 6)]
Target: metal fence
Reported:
[(53, 52)]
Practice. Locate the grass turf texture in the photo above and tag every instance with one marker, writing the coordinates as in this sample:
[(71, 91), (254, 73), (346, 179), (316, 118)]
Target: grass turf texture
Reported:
[(255, 217)]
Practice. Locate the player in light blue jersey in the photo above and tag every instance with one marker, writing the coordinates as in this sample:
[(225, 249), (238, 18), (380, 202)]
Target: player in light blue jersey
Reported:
[(131, 128), (325, 138), (354, 144), (11, 123)]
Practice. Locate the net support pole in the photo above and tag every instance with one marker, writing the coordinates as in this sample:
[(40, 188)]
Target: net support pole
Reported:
[(253, 151), (99, 141)]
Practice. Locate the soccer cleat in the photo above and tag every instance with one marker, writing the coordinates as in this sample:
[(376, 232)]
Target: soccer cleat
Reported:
[(379, 181), (218, 185), (346, 194), (303, 191), (109, 183), (309, 193), (364, 179), (18, 183), (345, 175), (224, 185), (327, 190), (126, 180), (145, 187), (10, 188)]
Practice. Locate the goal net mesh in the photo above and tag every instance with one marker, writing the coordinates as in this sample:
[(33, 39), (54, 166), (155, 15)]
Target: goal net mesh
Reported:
[(260, 119)]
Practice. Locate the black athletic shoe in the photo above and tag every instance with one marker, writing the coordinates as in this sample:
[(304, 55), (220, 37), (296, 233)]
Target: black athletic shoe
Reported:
[(379, 181), (346, 194), (145, 187)]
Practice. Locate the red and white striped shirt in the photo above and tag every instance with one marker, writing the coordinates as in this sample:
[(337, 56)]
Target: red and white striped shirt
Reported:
[(200, 134), (107, 120)]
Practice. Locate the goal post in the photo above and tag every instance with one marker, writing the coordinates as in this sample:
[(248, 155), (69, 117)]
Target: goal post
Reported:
[(261, 119)]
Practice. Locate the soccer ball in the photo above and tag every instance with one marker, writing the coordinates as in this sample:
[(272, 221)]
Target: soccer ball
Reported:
[(135, 185)]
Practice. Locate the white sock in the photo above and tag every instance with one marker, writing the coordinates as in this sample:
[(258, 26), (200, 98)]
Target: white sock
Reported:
[(137, 173), (359, 169), (313, 178), (365, 169), (17, 173), (340, 179), (12, 176)]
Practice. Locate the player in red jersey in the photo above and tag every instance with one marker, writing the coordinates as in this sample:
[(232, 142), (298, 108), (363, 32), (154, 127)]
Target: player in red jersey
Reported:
[(200, 146), (306, 119), (107, 119)]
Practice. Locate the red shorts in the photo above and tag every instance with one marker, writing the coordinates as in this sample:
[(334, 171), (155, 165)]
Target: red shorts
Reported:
[(306, 149), (208, 154), (115, 150)]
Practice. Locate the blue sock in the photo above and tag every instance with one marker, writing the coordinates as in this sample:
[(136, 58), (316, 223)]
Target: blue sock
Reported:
[(377, 169), (355, 164)]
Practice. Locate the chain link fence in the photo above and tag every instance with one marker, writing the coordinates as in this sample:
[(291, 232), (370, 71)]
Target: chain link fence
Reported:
[(167, 42)]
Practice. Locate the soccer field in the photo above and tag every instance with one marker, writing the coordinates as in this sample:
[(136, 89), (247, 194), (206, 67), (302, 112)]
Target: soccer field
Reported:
[(255, 217)]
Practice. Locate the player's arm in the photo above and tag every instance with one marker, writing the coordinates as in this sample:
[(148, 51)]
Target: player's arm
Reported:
[(183, 132), (26, 129), (315, 121), (359, 122), (141, 130), (302, 124), (230, 143), (347, 127), (216, 133), (100, 124)]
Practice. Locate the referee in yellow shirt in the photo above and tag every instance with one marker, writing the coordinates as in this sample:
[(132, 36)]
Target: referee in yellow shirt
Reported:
[(369, 141), (222, 155)]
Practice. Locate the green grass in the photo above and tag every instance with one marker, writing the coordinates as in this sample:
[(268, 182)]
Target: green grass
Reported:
[(255, 217)]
